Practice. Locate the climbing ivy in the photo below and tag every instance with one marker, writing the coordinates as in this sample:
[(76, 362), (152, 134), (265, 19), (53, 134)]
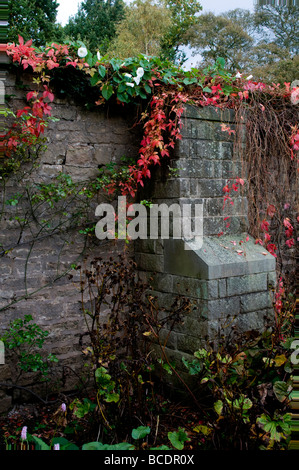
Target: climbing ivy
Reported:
[(159, 90)]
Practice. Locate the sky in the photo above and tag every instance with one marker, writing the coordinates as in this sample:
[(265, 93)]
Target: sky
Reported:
[(69, 8)]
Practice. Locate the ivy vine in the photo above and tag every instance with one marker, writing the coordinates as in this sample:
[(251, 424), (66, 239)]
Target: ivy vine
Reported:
[(160, 91)]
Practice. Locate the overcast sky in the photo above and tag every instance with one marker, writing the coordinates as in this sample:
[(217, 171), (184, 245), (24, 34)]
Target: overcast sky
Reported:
[(68, 8)]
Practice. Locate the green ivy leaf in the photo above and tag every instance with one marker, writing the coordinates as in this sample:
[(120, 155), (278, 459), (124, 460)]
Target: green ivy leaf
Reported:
[(107, 91)]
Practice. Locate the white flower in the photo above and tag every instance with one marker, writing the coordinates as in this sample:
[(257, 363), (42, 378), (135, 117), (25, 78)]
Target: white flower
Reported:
[(238, 75), (130, 84), (137, 80), (140, 72), (128, 75), (249, 77), (98, 55), (82, 52), (57, 446)]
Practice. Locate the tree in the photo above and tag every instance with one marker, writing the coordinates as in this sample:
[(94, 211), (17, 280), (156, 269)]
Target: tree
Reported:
[(263, 43), (34, 19), (184, 14), (279, 25), (95, 23), (142, 29), (221, 36)]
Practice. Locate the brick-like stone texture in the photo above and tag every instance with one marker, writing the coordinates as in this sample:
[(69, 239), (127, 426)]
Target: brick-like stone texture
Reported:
[(35, 276), (227, 278)]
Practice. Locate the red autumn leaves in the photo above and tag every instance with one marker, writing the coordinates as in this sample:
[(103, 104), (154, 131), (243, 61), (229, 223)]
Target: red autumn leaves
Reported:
[(30, 123), (265, 227), (154, 145)]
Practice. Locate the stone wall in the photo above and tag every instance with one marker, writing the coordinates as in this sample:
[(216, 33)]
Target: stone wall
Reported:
[(35, 275), (227, 279), (219, 280)]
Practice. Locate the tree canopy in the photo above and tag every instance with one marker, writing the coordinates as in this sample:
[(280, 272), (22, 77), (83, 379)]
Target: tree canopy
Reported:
[(263, 43), (95, 23), (184, 14), (34, 19), (220, 36), (141, 30)]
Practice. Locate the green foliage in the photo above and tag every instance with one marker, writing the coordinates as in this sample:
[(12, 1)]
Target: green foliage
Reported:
[(279, 24), (24, 337), (82, 408), (95, 23), (178, 438), (141, 31), (141, 432), (278, 427), (218, 36), (247, 384), (263, 43), (100, 446), (34, 19), (106, 385), (184, 14)]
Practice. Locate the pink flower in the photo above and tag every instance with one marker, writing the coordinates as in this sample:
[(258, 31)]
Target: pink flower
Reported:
[(63, 407), (24, 433), (295, 95)]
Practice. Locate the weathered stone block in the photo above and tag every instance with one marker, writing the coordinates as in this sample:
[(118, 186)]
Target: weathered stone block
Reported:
[(216, 258), (208, 113), (195, 288), (150, 262), (256, 301), (244, 284)]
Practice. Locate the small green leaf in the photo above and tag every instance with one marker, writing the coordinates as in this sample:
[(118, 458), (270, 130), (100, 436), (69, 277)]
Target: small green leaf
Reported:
[(95, 79), (203, 429), (147, 88), (102, 71), (189, 81), (107, 91), (178, 438), (280, 389), (221, 61), (218, 407), (100, 446), (93, 446), (163, 447), (112, 397), (141, 432)]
